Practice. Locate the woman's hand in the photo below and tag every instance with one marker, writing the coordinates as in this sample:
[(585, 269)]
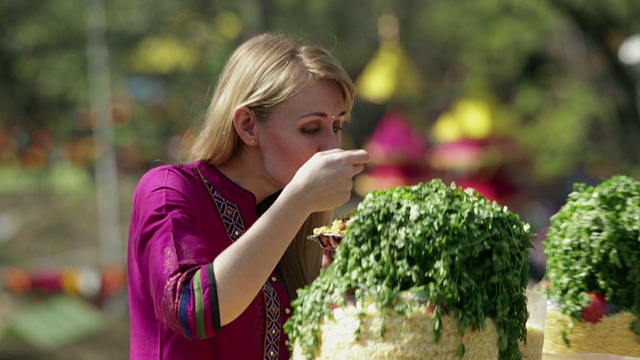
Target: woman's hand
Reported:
[(325, 181), (327, 258)]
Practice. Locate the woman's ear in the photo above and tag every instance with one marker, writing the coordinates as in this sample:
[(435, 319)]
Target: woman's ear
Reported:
[(244, 121)]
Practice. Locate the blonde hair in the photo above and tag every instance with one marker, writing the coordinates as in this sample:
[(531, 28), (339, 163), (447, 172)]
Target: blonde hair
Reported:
[(262, 73)]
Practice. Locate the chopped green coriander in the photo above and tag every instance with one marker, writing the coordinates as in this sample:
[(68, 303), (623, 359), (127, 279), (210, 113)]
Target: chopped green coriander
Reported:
[(593, 245), (450, 247)]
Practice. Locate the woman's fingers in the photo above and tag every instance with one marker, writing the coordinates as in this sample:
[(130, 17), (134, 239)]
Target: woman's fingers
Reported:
[(357, 158), (326, 180), (327, 258)]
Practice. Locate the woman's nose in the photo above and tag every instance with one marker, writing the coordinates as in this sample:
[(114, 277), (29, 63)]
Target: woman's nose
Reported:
[(331, 141)]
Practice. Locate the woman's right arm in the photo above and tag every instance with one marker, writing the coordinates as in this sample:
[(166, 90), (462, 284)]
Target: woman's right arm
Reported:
[(323, 183)]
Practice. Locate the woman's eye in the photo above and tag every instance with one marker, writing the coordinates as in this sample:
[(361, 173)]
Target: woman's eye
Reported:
[(315, 129)]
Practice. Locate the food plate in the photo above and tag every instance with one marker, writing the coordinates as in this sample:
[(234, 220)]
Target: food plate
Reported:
[(327, 241)]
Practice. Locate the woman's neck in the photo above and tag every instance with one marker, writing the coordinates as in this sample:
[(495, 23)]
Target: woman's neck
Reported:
[(248, 174)]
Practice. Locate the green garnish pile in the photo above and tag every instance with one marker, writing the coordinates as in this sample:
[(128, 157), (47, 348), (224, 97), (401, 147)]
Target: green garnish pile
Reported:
[(593, 244), (450, 247)]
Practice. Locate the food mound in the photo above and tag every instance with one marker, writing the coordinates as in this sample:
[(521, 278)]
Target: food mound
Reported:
[(424, 271), (593, 271), (338, 226), (329, 237)]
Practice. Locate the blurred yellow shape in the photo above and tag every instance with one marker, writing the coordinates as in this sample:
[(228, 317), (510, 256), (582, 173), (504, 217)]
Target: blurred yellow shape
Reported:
[(389, 75), (228, 24), (474, 118), (469, 119), (164, 55)]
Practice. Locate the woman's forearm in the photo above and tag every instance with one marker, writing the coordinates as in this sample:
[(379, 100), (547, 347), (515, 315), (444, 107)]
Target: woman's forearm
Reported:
[(242, 269)]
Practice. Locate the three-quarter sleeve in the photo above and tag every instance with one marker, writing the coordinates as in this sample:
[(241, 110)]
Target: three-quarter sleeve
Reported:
[(173, 256)]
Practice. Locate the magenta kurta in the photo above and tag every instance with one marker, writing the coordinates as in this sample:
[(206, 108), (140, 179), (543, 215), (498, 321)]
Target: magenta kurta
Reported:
[(182, 218)]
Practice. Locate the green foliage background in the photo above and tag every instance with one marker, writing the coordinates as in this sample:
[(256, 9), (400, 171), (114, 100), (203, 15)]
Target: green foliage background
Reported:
[(549, 69)]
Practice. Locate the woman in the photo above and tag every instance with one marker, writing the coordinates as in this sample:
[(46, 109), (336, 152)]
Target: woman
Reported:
[(217, 247)]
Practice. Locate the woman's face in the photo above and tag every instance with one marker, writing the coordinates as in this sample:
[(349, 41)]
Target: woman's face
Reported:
[(307, 123)]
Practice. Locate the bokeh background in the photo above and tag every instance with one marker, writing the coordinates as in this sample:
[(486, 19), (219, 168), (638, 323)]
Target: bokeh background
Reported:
[(520, 100)]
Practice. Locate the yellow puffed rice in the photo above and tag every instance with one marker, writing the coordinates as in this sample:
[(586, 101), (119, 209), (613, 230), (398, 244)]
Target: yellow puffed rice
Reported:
[(409, 338), (338, 226), (611, 335)]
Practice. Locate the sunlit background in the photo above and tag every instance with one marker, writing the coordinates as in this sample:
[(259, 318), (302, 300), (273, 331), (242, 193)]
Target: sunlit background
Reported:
[(517, 99)]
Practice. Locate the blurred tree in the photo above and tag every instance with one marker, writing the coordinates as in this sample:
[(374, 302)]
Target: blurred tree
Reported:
[(550, 66), (548, 69), (41, 56), (603, 29)]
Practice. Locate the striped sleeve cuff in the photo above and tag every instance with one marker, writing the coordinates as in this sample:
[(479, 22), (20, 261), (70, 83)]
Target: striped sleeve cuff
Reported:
[(198, 312), (213, 298)]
